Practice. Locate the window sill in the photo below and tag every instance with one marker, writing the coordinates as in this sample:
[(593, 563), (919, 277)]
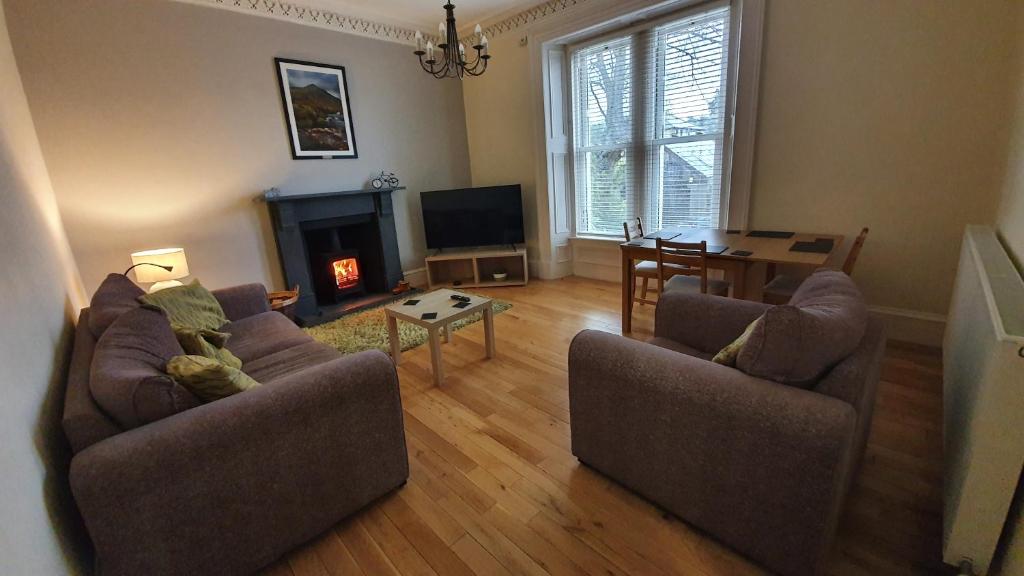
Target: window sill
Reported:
[(608, 241)]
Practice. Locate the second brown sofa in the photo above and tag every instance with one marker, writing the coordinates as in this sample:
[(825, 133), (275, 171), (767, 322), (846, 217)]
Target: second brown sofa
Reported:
[(761, 466)]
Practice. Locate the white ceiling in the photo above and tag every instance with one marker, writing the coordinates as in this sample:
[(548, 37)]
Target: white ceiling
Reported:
[(423, 15)]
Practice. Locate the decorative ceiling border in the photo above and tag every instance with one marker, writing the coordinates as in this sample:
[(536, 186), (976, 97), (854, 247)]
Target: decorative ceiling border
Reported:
[(321, 18), (317, 17), (529, 16)]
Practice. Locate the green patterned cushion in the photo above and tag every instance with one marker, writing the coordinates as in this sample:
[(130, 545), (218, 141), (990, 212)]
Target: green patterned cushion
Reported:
[(727, 355), (207, 378), (209, 343), (191, 306)]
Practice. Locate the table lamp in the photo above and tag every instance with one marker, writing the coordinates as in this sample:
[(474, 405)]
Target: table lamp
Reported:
[(162, 267)]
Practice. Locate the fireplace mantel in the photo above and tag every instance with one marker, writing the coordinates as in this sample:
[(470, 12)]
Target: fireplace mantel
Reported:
[(296, 215), (275, 195)]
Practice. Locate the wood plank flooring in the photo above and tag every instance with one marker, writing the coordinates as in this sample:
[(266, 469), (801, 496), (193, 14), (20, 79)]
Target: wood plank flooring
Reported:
[(495, 490)]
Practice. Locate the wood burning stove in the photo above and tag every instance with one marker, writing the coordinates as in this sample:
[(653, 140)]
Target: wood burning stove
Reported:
[(339, 275)]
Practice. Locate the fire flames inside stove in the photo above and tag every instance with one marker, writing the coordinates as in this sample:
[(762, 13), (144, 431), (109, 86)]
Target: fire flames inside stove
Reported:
[(346, 272)]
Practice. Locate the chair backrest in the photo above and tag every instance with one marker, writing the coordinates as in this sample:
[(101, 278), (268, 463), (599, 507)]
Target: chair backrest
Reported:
[(682, 258), (633, 228), (851, 258)]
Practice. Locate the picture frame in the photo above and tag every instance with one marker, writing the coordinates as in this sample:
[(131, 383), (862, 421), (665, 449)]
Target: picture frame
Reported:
[(317, 110)]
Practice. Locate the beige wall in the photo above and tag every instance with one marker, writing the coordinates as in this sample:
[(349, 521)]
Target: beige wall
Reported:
[(887, 114), (40, 290), (162, 121), (499, 126), (890, 115)]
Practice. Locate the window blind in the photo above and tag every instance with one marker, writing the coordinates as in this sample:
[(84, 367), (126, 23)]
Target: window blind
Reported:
[(649, 117)]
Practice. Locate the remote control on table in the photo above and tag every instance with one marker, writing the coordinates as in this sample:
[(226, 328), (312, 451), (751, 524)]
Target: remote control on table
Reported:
[(461, 298)]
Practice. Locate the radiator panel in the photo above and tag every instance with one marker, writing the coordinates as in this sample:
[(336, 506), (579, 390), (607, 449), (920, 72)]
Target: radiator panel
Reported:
[(983, 399)]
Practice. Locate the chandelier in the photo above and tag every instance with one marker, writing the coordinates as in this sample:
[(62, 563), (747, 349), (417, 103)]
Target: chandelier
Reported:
[(448, 58)]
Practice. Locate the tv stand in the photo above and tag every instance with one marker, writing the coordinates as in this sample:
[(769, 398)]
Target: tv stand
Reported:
[(476, 268)]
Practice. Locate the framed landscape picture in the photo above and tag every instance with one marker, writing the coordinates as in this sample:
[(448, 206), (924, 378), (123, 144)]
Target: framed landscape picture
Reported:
[(317, 109)]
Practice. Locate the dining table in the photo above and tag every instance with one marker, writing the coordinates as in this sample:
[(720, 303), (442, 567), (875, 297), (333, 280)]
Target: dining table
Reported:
[(743, 255)]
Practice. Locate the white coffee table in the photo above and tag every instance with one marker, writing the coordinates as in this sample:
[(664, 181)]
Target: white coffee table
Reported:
[(440, 303)]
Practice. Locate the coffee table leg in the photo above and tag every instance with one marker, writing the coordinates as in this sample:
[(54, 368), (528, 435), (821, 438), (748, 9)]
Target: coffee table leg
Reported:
[(396, 343), (446, 333), (435, 355), (489, 330)]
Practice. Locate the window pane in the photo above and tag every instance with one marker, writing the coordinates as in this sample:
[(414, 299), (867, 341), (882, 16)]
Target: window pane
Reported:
[(687, 157), (604, 90), (689, 184), (603, 136), (609, 201), (692, 78)]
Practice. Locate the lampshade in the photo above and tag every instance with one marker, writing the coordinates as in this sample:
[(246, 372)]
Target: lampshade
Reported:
[(173, 257)]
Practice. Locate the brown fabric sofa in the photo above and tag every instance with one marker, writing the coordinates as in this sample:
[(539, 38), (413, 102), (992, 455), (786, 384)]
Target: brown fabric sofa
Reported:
[(228, 487), (762, 466)]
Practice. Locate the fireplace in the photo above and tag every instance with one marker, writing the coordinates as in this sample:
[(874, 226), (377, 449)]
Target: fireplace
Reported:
[(340, 248)]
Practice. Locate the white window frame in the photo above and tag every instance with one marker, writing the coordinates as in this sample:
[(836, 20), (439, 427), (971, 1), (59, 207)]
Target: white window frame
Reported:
[(640, 84), (550, 204)]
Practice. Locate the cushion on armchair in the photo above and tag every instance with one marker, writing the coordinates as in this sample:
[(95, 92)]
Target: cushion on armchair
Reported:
[(798, 342), (115, 296), (127, 378)]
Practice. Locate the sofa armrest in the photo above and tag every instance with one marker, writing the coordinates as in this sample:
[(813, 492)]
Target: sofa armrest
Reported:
[(227, 487), (703, 321), (760, 465), (242, 301)]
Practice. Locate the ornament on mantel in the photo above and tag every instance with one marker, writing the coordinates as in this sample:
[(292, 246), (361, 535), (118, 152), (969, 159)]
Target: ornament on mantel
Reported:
[(385, 180)]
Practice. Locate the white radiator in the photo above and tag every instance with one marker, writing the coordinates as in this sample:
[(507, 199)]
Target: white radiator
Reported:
[(983, 399)]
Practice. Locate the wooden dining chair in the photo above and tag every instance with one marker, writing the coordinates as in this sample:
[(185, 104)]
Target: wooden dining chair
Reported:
[(781, 288), (682, 267), (644, 269)]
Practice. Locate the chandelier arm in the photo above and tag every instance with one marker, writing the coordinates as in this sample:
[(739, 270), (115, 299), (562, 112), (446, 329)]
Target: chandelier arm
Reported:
[(429, 68), (475, 73), (423, 64), (481, 60)]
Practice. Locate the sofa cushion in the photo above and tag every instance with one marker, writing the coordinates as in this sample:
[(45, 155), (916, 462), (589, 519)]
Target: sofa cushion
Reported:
[(127, 377), (209, 343), (191, 306), (263, 334), (285, 362), (798, 342), (115, 296), (207, 378)]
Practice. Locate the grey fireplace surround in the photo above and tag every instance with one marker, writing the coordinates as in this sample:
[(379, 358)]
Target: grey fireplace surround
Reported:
[(298, 218)]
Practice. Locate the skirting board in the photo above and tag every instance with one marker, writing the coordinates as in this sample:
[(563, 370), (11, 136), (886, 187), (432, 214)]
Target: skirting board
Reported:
[(925, 328), (417, 277), (548, 270)]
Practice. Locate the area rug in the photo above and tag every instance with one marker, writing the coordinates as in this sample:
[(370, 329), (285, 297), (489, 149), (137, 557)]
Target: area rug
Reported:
[(368, 330)]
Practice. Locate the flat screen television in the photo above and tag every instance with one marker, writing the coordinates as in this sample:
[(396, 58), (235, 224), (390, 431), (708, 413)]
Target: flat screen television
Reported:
[(488, 216)]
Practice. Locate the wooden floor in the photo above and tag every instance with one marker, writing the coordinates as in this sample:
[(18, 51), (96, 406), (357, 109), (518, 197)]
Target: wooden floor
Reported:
[(495, 490)]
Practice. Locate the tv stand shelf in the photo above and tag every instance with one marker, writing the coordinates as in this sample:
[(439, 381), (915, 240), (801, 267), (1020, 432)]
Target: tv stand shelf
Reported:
[(476, 268)]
